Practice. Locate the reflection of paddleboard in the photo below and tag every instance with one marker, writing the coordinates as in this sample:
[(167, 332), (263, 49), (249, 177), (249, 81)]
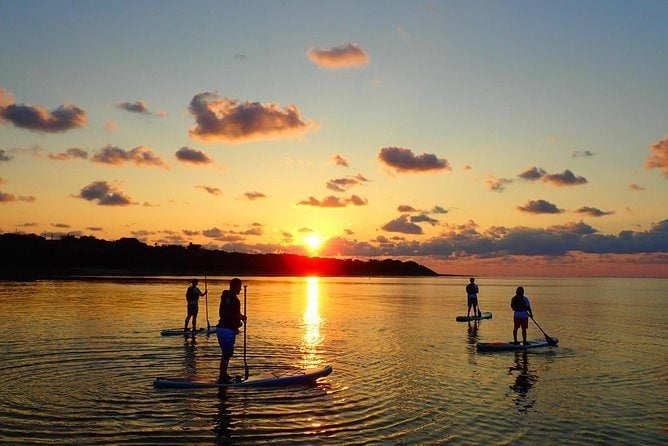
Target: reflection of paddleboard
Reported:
[(181, 331), (485, 315), (291, 379), (506, 346)]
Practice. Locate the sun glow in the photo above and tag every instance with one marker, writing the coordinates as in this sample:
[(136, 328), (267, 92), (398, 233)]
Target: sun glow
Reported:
[(313, 241)]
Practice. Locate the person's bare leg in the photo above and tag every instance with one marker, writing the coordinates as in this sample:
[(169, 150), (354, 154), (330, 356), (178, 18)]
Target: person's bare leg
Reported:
[(224, 362), (185, 324)]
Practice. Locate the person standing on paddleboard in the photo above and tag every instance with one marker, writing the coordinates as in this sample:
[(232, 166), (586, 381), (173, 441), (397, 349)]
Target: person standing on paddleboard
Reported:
[(192, 298), (472, 297), (228, 326), (522, 311)]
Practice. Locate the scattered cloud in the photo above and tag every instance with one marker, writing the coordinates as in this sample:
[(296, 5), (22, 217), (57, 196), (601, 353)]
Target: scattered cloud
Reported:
[(139, 107), (583, 153), (70, 154), (404, 161), (404, 208), (636, 187), (190, 233), (343, 184), (225, 120), (403, 225), (593, 212), (210, 189), (193, 156), (241, 57), (6, 197), (497, 184), (658, 158), (140, 156), (439, 210), (566, 178), (424, 218), (105, 194), (254, 195), (61, 225), (532, 174), (31, 117), (540, 207), (340, 161), (334, 202), (348, 55), (95, 228), (27, 225)]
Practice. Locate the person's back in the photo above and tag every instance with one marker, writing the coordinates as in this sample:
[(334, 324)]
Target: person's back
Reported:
[(229, 312), (472, 297), (521, 312)]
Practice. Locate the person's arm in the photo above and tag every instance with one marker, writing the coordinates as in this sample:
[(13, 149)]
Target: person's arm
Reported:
[(529, 308)]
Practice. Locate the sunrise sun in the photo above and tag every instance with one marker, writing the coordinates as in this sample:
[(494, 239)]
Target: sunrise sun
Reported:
[(313, 241)]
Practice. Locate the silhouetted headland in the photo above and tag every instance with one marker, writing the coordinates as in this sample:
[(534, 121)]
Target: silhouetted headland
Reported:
[(29, 256)]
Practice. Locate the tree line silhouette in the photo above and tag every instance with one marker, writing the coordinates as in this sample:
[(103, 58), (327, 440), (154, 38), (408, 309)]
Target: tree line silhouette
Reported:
[(34, 256)]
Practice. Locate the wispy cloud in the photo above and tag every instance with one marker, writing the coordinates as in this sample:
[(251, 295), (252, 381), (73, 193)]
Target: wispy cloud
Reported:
[(61, 225), (210, 189), (139, 107), (658, 158), (140, 156), (497, 184), (226, 120), (70, 154), (343, 184), (36, 118), (254, 195), (636, 187), (6, 197), (566, 178), (348, 55), (405, 208), (105, 194), (340, 161), (334, 202), (583, 153), (404, 161), (540, 207), (532, 174), (193, 156), (592, 211)]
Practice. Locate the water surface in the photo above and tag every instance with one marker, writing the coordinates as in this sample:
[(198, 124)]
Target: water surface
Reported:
[(79, 358)]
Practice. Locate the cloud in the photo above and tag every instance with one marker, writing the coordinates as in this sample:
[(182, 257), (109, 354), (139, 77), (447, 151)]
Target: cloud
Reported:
[(582, 153), (403, 160), (658, 158), (593, 212), (105, 194), (343, 184), (403, 225), (540, 207), (139, 107), (334, 202), (111, 126), (140, 156), (95, 228), (567, 178), (226, 120), (636, 187), (532, 174), (60, 119), (70, 154), (406, 208), (6, 197), (27, 225), (497, 184), (424, 218), (210, 189), (241, 57), (4, 155), (340, 161), (439, 210), (193, 156), (190, 233), (254, 195), (61, 225), (348, 55)]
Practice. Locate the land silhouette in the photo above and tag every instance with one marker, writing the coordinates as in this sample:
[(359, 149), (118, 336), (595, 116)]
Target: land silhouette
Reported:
[(31, 256)]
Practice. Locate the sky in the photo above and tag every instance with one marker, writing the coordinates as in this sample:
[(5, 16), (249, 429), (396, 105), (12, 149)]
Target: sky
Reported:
[(474, 137)]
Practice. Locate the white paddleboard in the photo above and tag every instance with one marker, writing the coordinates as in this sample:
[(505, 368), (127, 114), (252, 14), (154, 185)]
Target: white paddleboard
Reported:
[(289, 379), (508, 346), (484, 315)]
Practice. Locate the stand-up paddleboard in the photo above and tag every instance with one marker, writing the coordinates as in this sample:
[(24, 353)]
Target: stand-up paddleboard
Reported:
[(290, 379), (508, 346), (485, 315), (182, 332)]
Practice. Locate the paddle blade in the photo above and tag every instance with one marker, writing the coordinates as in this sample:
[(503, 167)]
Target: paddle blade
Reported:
[(550, 341)]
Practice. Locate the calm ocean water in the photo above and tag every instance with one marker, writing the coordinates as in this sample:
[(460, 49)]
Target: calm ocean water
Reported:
[(79, 358)]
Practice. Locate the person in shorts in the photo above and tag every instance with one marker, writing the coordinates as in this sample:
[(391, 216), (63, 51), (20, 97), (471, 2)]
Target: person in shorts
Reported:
[(522, 311), (227, 329), (472, 297), (192, 298)]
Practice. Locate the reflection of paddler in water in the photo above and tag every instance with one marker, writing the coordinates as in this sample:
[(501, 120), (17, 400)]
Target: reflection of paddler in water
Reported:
[(473, 332), (223, 418), (189, 360), (523, 381)]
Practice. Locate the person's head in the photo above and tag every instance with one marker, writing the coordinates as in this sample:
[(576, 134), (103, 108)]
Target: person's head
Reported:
[(235, 285), (195, 282), (472, 280), (520, 291)]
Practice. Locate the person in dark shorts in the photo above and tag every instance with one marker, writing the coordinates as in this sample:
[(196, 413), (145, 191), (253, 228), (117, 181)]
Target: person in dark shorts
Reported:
[(192, 298), (522, 311), (472, 297), (228, 326)]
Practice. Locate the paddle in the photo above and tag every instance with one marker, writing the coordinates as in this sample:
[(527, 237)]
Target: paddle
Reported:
[(547, 338), (246, 372), (206, 300)]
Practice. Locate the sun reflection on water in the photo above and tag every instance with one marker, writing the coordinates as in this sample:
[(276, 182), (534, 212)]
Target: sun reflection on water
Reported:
[(312, 321)]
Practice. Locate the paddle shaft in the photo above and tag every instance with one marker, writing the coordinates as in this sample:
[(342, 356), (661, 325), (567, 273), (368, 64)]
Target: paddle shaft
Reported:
[(246, 372), (206, 301), (547, 338)]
